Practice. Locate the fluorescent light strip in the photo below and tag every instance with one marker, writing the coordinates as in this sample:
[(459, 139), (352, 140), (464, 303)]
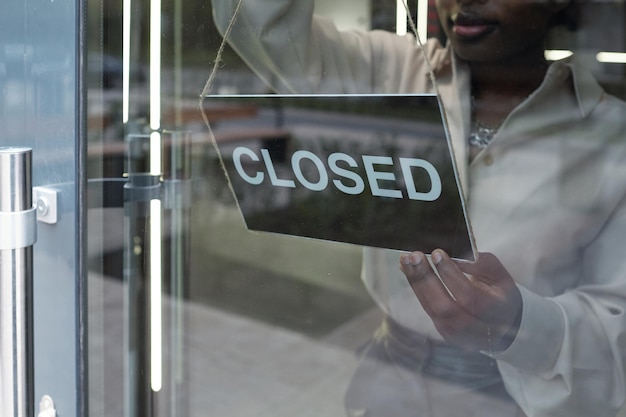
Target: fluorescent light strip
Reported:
[(401, 18), (126, 61), (557, 54), (155, 154), (422, 19), (155, 64), (156, 320), (611, 57), (156, 329)]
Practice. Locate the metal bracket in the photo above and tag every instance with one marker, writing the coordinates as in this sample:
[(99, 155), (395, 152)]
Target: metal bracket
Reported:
[(46, 407), (19, 229), (46, 203)]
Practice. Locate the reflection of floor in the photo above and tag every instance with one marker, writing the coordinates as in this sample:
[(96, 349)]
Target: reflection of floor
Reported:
[(272, 322), (237, 366), (245, 368), (273, 298)]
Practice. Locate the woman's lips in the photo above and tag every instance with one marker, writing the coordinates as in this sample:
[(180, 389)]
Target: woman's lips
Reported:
[(471, 31), (467, 26)]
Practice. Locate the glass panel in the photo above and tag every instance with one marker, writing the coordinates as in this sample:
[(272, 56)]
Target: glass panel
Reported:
[(39, 109), (193, 311)]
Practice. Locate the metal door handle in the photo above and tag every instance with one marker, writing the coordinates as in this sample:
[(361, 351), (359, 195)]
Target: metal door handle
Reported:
[(18, 233)]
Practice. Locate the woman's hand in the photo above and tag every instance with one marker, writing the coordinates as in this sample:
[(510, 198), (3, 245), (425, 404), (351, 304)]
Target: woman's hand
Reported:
[(481, 307)]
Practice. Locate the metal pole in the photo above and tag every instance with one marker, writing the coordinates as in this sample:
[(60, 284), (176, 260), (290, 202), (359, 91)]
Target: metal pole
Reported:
[(17, 235), (140, 192), (177, 211)]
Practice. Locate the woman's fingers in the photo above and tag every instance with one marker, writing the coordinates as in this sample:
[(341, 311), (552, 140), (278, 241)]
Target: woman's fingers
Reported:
[(425, 284), (464, 308), (461, 288), (445, 312)]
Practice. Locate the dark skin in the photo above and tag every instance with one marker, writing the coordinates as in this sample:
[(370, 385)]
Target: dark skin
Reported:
[(503, 43), (481, 306), (477, 306)]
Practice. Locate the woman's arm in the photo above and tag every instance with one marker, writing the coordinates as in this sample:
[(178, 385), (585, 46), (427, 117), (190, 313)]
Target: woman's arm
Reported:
[(294, 51), (567, 356)]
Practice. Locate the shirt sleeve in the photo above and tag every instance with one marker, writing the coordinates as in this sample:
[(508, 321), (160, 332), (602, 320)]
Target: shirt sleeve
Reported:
[(293, 51), (568, 356)]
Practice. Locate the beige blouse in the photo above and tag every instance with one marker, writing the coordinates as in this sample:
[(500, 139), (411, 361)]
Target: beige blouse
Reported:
[(547, 197)]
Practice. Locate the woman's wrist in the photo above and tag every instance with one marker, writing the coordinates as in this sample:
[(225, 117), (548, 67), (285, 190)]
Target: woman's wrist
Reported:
[(508, 337)]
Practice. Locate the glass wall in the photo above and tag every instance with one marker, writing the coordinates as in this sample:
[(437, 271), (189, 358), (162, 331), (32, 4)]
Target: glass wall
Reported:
[(252, 202), (41, 300)]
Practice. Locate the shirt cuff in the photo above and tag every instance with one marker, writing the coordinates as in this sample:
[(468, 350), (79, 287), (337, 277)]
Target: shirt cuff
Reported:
[(540, 336)]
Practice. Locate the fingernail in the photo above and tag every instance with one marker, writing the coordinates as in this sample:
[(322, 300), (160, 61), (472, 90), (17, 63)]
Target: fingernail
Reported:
[(437, 257), (415, 259), (404, 260)]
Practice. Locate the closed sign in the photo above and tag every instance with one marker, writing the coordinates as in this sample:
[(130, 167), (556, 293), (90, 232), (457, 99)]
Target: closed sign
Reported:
[(368, 170)]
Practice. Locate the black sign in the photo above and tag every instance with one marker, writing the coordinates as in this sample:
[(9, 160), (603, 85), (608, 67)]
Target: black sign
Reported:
[(373, 170)]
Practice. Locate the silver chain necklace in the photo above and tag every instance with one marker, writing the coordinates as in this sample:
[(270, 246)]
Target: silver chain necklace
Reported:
[(480, 135)]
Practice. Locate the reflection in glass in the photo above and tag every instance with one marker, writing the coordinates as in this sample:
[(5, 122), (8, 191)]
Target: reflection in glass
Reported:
[(270, 323)]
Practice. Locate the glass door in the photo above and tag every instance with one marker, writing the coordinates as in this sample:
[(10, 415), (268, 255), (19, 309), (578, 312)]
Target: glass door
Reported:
[(190, 313), (41, 109), (150, 295)]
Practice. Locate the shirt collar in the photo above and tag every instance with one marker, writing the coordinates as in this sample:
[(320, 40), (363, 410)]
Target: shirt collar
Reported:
[(587, 90)]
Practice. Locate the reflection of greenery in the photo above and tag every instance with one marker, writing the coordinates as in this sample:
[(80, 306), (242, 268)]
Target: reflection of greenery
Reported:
[(388, 106)]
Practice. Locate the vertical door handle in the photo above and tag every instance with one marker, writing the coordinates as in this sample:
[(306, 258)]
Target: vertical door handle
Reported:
[(18, 233)]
